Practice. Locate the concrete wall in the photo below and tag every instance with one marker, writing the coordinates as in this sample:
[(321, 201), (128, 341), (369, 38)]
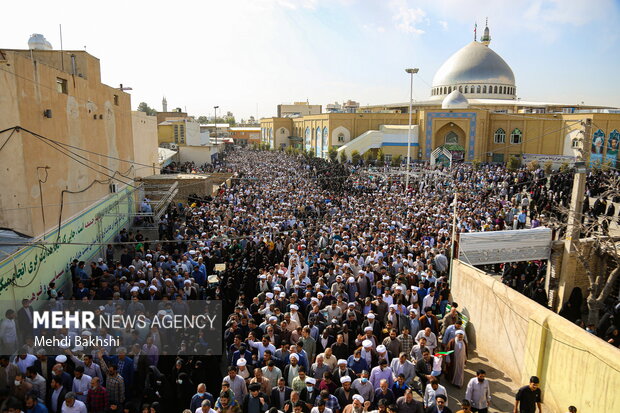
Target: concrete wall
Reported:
[(197, 154), (523, 339), (90, 115), (145, 143)]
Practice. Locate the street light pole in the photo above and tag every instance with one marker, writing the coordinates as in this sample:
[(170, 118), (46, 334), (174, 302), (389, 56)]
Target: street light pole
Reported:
[(215, 121), (411, 71)]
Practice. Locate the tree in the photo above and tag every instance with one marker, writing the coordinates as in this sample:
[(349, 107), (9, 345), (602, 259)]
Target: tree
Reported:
[(230, 120), (598, 252), (548, 167), (356, 157), (396, 161), (203, 120), (513, 163), (380, 157), (332, 153), (533, 165), (143, 107), (343, 156)]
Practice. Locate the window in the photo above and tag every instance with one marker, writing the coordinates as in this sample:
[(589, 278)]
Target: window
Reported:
[(116, 100), (341, 137), (484, 89), (500, 136), (575, 143), (495, 89), (461, 89), (61, 85), (516, 136), (466, 90), (182, 131), (176, 133), (478, 89), (387, 158)]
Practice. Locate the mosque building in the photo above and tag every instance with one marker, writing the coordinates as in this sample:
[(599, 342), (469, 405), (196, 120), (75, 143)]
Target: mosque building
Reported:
[(473, 113)]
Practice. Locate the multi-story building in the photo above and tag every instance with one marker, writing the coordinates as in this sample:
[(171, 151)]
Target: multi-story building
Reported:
[(473, 113), (245, 135), (179, 131), (69, 160), (288, 110)]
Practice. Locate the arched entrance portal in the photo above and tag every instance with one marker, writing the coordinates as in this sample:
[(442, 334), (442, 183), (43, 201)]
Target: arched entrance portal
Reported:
[(449, 145)]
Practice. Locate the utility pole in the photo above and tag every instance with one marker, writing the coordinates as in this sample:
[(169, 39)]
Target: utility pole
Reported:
[(575, 213), (452, 252), (411, 72)]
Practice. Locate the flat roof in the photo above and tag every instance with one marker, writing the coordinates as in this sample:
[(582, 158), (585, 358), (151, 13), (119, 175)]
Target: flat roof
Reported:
[(492, 102)]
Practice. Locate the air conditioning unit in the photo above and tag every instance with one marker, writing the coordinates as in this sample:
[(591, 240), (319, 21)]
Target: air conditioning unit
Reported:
[(113, 188), (173, 146)]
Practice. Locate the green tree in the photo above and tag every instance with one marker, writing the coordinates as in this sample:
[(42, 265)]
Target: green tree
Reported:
[(343, 157), (513, 163), (396, 161), (203, 120), (356, 157), (332, 153), (143, 107), (380, 157), (230, 120)]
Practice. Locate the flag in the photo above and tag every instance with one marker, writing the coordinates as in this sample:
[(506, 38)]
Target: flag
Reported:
[(444, 353)]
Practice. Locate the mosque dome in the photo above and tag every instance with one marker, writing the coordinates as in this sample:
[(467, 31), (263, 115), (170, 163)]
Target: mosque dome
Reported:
[(455, 100), (477, 72)]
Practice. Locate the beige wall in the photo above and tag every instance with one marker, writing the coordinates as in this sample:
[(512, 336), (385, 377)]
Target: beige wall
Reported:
[(145, 143), (197, 154), (87, 117), (523, 339)]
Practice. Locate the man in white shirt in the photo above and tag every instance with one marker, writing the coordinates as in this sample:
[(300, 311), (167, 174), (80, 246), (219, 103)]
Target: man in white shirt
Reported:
[(81, 384), (205, 407), (478, 392), (261, 346), (37, 381), (431, 339), (71, 405), (433, 389), (8, 333)]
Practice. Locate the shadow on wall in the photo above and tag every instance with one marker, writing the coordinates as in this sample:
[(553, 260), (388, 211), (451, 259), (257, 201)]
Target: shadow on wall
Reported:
[(522, 338)]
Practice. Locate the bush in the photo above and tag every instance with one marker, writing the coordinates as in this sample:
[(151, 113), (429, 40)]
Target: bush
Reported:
[(396, 161), (548, 167), (343, 157), (356, 157), (513, 163), (564, 167), (533, 165)]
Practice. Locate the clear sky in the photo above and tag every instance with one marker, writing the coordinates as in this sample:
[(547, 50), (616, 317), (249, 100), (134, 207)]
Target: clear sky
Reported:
[(249, 55)]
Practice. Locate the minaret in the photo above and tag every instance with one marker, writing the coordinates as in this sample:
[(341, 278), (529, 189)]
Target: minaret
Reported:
[(164, 104), (486, 37)]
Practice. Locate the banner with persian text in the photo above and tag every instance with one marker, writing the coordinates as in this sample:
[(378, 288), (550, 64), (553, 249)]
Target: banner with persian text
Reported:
[(27, 274)]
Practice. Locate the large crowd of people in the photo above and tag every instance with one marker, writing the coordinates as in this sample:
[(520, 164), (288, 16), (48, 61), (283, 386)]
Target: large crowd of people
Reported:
[(333, 286)]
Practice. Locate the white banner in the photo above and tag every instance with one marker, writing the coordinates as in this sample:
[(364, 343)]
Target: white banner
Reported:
[(556, 160), (492, 247)]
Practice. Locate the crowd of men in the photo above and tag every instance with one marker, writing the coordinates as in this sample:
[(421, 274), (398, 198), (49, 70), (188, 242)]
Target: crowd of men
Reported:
[(334, 289)]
